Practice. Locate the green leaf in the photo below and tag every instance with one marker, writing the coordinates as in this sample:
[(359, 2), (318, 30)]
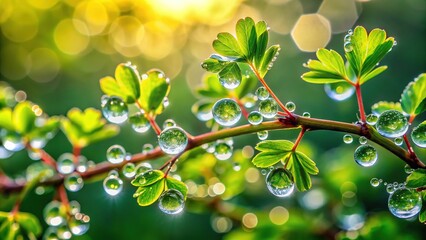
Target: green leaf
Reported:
[(227, 45), (154, 88), (329, 68), (261, 42), (178, 185), (83, 128), (413, 98), (272, 151), (368, 51), (9, 230), (149, 194), (268, 59), (380, 107), (211, 87), (128, 79), (29, 223), (214, 64), (231, 71), (47, 129), (6, 119), (246, 35), (23, 117), (147, 178), (416, 179), (301, 167), (372, 74), (111, 88)]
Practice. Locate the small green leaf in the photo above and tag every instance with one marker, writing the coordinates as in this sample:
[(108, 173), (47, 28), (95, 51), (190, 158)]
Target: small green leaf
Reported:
[(9, 230), (246, 35), (372, 74), (6, 119), (29, 223), (416, 179), (261, 42), (272, 151), (301, 167), (23, 117), (149, 194), (178, 185), (214, 64), (268, 59), (231, 71), (380, 107), (154, 88), (329, 68), (128, 79), (211, 87), (413, 98), (111, 88), (422, 215), (147, 178), (227, 45), (47, 129)]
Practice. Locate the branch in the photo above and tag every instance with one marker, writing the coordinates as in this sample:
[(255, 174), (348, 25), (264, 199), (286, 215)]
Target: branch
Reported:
[(288, 122)]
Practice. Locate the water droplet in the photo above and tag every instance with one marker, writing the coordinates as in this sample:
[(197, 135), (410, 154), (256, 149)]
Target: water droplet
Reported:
[(63, 232), (405, 203), (116, 154), (113, 173), (390, 188), (82, 164), (50, 234), (172, 140), (392, 124), (348, 47), (365, 155), (268, 108), (262, 135), (306, 114), (290, 106), (362, 140), (263, 171), (143, 167), (54, 213), (339, 91), (347, 38), (249, 100), (139, 123), (74, 207), (12, 141), (73, 182), (169, 123), (375, 182), (408, 169), (209, 147), (398, 141), (202, 110), (280, 182), (350, 32), (65, 163), (236, 166), (223, 151), (166, 102), (79, 224), (255, 118), (38, 143), (171, 201), (147, 147), (418, 135), (347, 138), (129, 170), (372, 119), (262, 93), (115, 110), (113, 185), (229, 81), (395, 43), (226, 112)]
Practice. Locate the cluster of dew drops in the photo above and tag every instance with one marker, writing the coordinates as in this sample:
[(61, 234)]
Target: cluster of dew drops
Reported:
[(403, 202)]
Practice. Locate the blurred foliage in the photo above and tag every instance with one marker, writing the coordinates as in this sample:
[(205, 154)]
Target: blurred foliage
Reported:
[(57, 50)]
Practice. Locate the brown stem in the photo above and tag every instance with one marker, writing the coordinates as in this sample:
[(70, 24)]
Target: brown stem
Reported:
[(243, 109), (299, 138), (76, 151)]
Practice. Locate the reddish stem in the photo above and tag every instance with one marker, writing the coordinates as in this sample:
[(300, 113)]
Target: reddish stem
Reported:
[(263, 82), (299, 138), (360, 104), (243, 109), (154, 125), (76, 152), (16, 207), (63, 195), (46, 158)]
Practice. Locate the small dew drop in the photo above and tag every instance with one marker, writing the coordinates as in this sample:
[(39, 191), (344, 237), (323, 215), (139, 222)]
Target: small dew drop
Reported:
[(113, 185), (408, 169), (73, 182), (375, 182), (223, 151), (65, 163), (347, 138), (115, 110), (262, 135), (348, 47), (268, 108), (398, 141), (169, 123), (372, 119), (339, 91), (280, 182), (262, 93), (362, 140), (147, 147), (255, 118), (171, 202), (116, 154), (226, 112), (290, 106), (365, 155), (306, 114), (129, 170), (172, 140), (140, 123)]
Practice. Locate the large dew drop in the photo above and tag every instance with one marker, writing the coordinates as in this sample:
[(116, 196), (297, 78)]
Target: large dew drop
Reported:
[(280, 182), (172, 140), (79, 224), (129, 170), (229, 81), (255, 118), (73, 182), (12, 141), (116, 154), (171, 202), (405, 203), (113, 185), (268, 108), (392, 124), (139, 123), (339, 91), (365, 155), (226, 112), (115, 110), (262, 93), (54, 213), (65, 163), (418, 135)]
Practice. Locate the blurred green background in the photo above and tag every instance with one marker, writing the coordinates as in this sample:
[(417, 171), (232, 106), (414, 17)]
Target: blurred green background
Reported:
[(57, 50)]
